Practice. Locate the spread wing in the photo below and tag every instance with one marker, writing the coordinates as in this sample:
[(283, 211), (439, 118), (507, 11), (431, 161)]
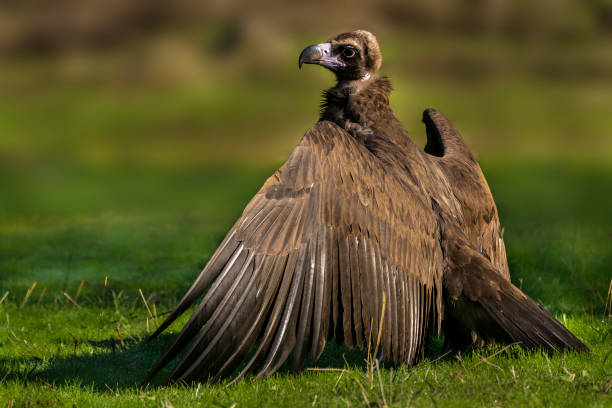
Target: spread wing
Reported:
[(474, 209), (328, 236)]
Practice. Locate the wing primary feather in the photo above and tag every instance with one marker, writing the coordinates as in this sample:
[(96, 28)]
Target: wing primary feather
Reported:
[(285, 334), (334, 279), (419, 323), (220, 353), (411, 318), (305, 316), (355, 283), (387, 332), (373, 287), (197, 350), (426, 311), (219, 340), (426, 315), (320, 322), (377, 276), (197, 320), (328, 296), (285, 270), (255, 325), (366, 284), (420, 320), (346, 291), (416, 305), (394, 315), (403, 299)]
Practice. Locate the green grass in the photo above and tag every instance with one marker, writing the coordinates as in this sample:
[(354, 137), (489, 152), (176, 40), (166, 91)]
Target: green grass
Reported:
[(53, 352)]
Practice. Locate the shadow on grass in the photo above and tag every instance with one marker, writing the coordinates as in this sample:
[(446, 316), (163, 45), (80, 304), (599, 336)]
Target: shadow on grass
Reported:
[(117, 367), (112, 367), (122, 368)]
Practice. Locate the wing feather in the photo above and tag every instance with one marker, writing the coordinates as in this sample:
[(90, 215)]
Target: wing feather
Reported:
[(219, 317), (286, 270), (327, 236), (323, 295), (305, 316), (284, 340), (206, 354), (462, 184), (358, 318), (402, 297), (387, 336), (394, 315), (263, 303), (345, 291)]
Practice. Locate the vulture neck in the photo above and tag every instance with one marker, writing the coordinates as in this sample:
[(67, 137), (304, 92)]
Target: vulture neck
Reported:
[(361, 107)]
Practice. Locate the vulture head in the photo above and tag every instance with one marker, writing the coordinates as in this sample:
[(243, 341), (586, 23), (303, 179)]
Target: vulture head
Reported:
[(351, 56)]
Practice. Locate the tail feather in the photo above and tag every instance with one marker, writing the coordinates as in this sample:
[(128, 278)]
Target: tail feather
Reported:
[(529, 323), (481, 305)]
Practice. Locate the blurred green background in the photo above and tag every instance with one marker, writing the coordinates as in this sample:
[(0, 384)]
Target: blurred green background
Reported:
[(133, 133)]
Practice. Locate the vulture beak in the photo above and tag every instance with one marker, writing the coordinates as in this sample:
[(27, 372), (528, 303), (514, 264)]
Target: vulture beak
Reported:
[(320, 54)]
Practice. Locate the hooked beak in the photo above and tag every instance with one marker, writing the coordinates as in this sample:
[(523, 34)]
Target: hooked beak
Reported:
[(320, 54)]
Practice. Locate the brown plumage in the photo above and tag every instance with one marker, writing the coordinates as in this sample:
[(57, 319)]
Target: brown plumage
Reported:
[(358, 213)]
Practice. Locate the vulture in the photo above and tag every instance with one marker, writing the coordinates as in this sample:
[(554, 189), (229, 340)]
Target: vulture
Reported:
[(360, 232)]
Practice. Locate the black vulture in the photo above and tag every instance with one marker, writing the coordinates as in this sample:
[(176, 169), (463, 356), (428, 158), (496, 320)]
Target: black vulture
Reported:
[(358, 219)]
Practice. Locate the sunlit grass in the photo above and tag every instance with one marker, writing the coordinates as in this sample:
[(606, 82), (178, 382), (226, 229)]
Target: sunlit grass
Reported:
[(63, 345)]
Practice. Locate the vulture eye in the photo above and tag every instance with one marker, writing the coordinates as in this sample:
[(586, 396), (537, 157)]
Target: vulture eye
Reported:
[(349, 52)]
